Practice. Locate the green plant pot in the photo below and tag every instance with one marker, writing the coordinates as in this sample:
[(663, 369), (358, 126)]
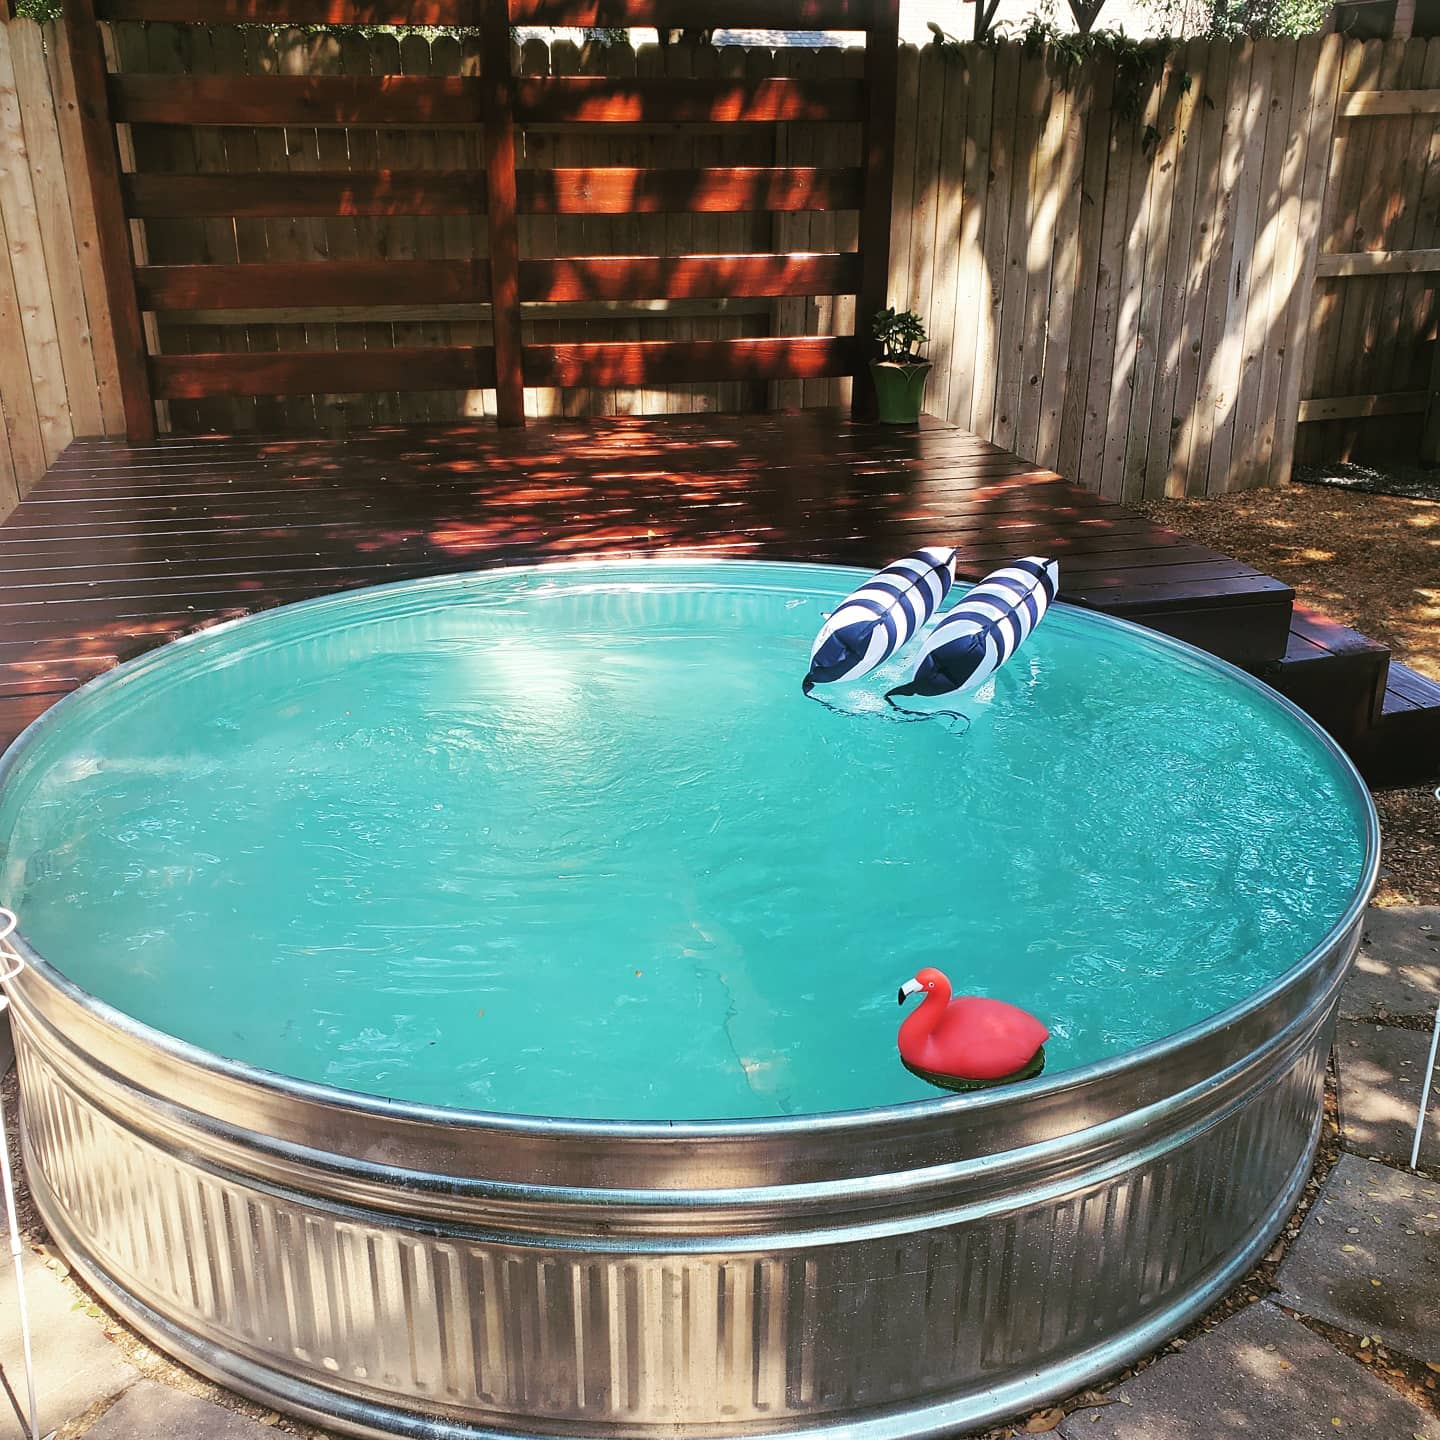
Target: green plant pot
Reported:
[(899, 389)]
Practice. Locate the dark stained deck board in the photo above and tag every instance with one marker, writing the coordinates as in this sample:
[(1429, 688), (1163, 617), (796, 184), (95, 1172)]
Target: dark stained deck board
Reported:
[(1403, 748), (122, 547), (1408, 690)]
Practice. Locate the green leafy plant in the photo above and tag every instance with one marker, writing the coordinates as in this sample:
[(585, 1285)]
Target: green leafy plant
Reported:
[(1137, 63), (900, 334)]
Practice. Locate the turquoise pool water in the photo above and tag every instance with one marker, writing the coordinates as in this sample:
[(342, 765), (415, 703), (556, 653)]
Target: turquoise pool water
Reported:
[(571, 842)]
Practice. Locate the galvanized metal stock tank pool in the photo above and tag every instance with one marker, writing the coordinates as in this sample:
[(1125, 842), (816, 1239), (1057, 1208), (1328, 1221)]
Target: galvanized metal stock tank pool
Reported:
[(392, 1268)]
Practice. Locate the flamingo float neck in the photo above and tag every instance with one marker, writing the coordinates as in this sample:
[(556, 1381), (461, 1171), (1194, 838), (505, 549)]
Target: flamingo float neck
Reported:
[(923, 1021)]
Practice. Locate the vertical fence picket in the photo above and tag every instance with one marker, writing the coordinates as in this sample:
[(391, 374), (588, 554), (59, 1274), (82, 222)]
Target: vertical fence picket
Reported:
[(1283, 219), (25, 449), (1003, 152), (1100, 365), (929, 105), (1212, 393), (1048, 178), (56, 226), (1168, 337), (1032, 90), (949, 245), (26, 247), (1208, 229), (1068, 236), (1254, 323), (972, 297), (91, 274), (1097, 87), (1137, 193), (903, 194)]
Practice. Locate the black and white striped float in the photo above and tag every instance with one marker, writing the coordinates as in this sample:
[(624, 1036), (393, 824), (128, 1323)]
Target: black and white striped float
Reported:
[(870, 624), (985, 629)]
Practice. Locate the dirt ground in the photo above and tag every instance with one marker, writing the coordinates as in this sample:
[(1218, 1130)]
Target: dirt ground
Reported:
[(1371, 562)]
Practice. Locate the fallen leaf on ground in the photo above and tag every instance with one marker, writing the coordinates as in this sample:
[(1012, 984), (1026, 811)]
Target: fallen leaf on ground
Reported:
[(1043, 1421)]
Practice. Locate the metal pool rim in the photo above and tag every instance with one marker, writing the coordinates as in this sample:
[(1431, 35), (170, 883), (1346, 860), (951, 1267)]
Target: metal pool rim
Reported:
[(971, 1104)]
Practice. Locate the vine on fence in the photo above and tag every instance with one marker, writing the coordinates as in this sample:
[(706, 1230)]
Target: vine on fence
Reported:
[(1138, 63)]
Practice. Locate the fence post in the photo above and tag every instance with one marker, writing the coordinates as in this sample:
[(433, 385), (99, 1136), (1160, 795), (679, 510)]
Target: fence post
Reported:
[(117, 258), (882, 59), (498, 78)]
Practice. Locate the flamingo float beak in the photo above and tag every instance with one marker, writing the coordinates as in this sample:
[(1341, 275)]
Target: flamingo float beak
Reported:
[(909, 988)]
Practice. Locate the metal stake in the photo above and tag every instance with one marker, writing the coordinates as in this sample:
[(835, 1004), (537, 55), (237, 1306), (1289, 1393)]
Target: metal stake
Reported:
[(12, 964), (1425, 1091)]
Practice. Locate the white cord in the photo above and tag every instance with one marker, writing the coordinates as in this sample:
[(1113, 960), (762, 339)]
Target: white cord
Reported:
[(1425, 1092), (11, 965)]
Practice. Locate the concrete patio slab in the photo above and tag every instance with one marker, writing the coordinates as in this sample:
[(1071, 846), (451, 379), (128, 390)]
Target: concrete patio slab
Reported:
[(1397, 972), (75, 1365), (1261, 1376), (1373, 1267), (149, 1411), (1381, 1071)]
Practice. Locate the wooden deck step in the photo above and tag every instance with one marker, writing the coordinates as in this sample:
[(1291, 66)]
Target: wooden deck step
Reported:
[(1385, 714), (1403, 748), (1334, 674)]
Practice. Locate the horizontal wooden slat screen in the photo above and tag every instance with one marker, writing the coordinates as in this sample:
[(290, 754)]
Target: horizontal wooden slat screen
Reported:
[(438, 282), (326, 214), (304, 372), (296, 99), (691, 14), (687, 277), (599, 99), (604, 190), (332, 282), (456, 100), (622, 190), (295, 12), (671, 14), (647, 362), (342, 192)]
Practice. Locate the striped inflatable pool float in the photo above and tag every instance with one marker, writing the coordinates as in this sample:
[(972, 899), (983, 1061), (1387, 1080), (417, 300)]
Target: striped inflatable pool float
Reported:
[(985, 629), (870, 624)]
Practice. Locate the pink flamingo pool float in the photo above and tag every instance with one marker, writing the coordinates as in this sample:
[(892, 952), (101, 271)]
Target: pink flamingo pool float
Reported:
[(968, 1042)]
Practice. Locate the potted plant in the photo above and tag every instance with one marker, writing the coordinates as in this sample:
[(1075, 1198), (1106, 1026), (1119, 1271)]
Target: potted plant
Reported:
[(899, 373)]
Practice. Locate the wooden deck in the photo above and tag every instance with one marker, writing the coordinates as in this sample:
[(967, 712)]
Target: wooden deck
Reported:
[(119, 549)]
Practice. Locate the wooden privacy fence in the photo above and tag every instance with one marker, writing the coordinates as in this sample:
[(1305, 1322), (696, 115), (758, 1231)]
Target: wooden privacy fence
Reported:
[(1121, 298), (1371, 378), (448, 141), (57, 359), (1145, 296)]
